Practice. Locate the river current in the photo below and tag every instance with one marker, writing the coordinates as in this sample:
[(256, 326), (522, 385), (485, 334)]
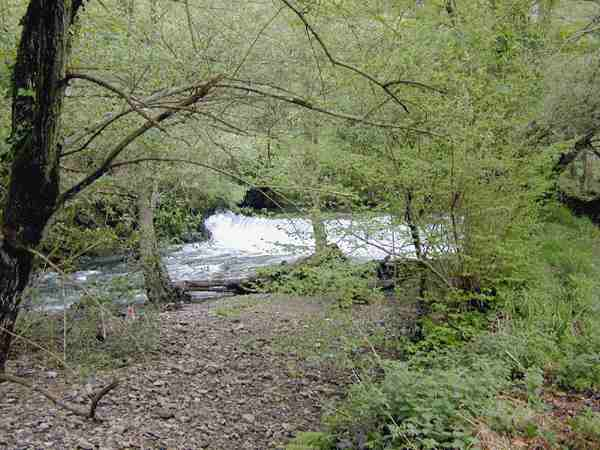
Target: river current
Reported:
[(239, 245)]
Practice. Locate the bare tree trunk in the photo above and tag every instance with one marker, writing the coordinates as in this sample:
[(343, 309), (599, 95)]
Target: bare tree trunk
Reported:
[(409, 216), (588, 172), (37, 101), (318, 226), (412, 226), (157, 282), (319, 232)]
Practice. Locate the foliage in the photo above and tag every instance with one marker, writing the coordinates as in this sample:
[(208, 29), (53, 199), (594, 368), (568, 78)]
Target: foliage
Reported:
[(342, 281), (512, 418), (515, 305), (414, 408), (570, 108), (86, 349), (586, 429), (311, 441), (544, 329), (174, 218)]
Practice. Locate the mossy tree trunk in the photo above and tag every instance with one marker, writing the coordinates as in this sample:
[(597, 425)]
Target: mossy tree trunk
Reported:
[(157, 282), (318, 225), (33, 192)]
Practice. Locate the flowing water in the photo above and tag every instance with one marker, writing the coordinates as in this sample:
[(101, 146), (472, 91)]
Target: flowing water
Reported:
[(239, 246)]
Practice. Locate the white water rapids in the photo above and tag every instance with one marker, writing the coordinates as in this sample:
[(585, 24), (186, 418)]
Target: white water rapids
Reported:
[(239, 245)]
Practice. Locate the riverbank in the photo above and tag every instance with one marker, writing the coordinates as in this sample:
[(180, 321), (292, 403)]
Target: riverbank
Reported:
[(246, 372)]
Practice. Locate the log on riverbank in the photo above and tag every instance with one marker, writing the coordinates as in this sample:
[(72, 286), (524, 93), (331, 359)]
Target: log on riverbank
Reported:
[(251, 284), (233, 285), (387, 274)]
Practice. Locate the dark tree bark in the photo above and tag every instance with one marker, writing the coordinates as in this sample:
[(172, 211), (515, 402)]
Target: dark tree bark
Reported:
[(39, 82), (158, 284), (37, 100)]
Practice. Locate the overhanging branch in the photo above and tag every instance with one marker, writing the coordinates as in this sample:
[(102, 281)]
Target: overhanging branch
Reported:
[(305, 104), (199, 92), (99, 126), (105, 84), (384, 86)]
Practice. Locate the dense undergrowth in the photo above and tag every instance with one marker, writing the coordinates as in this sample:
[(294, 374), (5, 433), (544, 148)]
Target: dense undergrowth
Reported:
[(480, 377)]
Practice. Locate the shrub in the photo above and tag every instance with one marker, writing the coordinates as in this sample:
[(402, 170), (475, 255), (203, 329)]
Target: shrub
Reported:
[(579, 372), (422, 409), (586, 429), (312, 441), (344, 282)]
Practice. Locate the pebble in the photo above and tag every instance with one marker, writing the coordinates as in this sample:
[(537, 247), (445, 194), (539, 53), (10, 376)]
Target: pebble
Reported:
[(83, 444), (248, 418), (164, 413), (43, 426)]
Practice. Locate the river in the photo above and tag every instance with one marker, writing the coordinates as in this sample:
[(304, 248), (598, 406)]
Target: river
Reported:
[(239, 245)]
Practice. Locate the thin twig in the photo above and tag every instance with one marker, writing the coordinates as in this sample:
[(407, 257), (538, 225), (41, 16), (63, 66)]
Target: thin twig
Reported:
[(335, 62), (305, 104), (120, 93), (38, 346), (257, 37)]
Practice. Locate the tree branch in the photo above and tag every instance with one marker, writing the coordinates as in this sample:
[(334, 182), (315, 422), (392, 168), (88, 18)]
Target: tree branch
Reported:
[(304, 104), (79, 411), (200, 91), (119, 92), (102, 124), (384, 86), (181, 160), (99, 128)]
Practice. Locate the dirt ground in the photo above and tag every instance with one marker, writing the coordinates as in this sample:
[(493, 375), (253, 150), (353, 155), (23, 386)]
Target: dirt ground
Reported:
[(228, 376)]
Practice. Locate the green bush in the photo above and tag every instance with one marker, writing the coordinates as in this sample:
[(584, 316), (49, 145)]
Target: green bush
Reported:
[(344, 282), (579, 371), (312, 441), (586, 429), (422, 409)]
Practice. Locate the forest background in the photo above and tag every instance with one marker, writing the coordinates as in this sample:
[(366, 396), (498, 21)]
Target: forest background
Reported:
[(473, 125)]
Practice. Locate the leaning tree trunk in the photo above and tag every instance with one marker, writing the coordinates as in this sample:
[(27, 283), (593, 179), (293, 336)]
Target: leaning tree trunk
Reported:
[(158, 284), (37, 100)]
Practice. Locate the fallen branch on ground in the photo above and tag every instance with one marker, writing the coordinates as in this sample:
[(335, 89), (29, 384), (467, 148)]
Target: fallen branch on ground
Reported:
[(77, 410)]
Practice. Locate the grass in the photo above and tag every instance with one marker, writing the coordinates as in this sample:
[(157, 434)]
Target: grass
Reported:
[(344, 338), (231, 312), (96, 337)]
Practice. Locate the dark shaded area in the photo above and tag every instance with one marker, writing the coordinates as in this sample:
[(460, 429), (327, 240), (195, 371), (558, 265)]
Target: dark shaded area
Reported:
[(260, 198), (589, 209)]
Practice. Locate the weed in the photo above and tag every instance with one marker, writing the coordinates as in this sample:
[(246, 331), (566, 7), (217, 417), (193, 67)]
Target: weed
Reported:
[(418, 408), (312, 441), (586, 429), (340, 280), (97, 337)]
